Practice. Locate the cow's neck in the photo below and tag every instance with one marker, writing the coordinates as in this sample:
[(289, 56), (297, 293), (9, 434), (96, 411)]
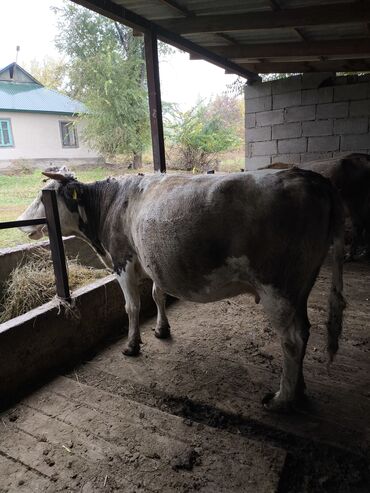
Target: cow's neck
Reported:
[(95, 208)]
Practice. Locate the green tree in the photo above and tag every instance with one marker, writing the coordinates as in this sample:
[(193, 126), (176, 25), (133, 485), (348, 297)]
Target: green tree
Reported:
[(105, 70), (50, 72), (199, 135)]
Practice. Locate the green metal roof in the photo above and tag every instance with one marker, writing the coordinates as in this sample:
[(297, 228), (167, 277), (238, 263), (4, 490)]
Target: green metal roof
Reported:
[(32, 97)]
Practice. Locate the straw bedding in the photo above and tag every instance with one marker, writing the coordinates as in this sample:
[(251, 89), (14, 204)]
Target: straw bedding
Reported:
[(32, 283)]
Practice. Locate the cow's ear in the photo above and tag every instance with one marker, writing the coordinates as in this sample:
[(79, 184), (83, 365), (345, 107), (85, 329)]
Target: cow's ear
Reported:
[(73, 191)]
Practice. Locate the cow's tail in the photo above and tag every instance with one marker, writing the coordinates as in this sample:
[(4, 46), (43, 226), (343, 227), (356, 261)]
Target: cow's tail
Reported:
[(337, 303)]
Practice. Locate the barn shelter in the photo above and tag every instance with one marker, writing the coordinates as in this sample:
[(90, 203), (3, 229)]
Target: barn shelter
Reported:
[(186, 415), (256, 37)]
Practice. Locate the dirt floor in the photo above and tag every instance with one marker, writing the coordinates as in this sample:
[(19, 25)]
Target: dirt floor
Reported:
[(186, 415)]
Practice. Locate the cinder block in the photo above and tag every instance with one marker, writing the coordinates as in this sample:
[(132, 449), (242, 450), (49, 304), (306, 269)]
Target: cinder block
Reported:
[(286, 100), (319, 127), (310, 96), (269, 118), (300, 113), (355, 142), (258, 134), (257, 162), (315, 156), (287, 158), (315, 96), (264, 148), (332, 110), (250, 120), (289, 146), (341, 154), (257, 90), (360, 108), (341, 80), (351, 92), (323, 144), (351, 126), (258, 104), (290, 84), (286, 131), (325, 94), (313, 80)]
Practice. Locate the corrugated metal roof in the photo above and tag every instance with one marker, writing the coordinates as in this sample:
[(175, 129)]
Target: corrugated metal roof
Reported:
[(205, 27), (35, 98)]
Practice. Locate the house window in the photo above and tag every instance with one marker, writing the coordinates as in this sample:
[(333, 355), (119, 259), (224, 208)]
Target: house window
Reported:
[(6, 138), (68, 134)]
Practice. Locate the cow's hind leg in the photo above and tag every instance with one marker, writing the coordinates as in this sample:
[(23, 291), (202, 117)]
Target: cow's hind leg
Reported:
[(294, 337), (129, 284), (162, 330)]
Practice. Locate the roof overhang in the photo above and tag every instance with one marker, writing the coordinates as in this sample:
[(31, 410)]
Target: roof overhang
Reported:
[(257, 36)]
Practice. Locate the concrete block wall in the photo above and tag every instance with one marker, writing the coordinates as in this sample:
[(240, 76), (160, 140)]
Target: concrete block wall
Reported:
[(306, 117)]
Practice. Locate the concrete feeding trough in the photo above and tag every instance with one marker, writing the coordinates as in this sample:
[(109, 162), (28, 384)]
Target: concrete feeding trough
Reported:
[(52, 336)]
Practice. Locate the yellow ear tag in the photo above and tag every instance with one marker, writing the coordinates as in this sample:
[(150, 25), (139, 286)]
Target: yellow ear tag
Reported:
[(74, 194)]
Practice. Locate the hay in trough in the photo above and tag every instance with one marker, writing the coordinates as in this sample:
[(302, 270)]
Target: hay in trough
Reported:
[(32, 283)]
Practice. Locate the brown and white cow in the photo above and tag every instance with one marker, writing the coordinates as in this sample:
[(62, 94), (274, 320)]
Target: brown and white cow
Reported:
[(208, 237), (351, 176)]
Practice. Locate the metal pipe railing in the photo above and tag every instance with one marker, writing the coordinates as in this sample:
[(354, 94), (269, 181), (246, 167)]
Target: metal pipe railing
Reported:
[(49, 199)]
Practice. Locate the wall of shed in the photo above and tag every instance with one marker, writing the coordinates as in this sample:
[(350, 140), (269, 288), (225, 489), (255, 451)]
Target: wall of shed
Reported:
[(306, 117)]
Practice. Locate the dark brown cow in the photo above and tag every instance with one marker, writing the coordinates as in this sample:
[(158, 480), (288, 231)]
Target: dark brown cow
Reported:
[(208, 237), (351, 176)]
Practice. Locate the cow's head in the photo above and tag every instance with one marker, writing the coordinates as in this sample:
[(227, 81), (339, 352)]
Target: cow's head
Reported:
[(69, 195)]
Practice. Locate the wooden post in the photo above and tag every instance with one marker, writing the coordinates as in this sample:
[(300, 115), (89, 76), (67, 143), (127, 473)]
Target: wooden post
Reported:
[(155, 103), (49, 199)]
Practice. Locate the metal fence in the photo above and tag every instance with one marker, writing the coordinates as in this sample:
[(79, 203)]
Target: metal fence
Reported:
[(49, 199)]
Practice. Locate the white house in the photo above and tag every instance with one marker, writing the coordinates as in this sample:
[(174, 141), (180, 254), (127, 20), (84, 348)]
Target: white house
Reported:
[(38, 125)]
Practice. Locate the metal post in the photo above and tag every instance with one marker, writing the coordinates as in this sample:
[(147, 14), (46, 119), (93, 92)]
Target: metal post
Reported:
[(155, 103), (49, 199)]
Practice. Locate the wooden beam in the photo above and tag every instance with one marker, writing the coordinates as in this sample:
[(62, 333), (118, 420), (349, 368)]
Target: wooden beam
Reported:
[(289, 18), (297, 67), (228, 39), (359, 47), (135, 21), (155, 102), (49, 198)]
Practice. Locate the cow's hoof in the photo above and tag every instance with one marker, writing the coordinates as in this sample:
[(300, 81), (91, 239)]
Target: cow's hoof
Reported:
[(131, 350), (273, 403), (162, 332)]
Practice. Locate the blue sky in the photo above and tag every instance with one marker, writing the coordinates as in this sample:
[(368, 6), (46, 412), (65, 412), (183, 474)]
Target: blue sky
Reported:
[(32, 26)]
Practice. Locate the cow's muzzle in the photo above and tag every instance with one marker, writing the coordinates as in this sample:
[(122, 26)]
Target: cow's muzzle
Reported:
[(35, 233)]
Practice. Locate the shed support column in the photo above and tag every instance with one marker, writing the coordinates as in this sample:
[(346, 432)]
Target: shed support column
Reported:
[(155, 103)]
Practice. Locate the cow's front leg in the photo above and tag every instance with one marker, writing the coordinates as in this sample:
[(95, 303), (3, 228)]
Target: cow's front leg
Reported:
[(293, 341), (162, 330), (129, 283)]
